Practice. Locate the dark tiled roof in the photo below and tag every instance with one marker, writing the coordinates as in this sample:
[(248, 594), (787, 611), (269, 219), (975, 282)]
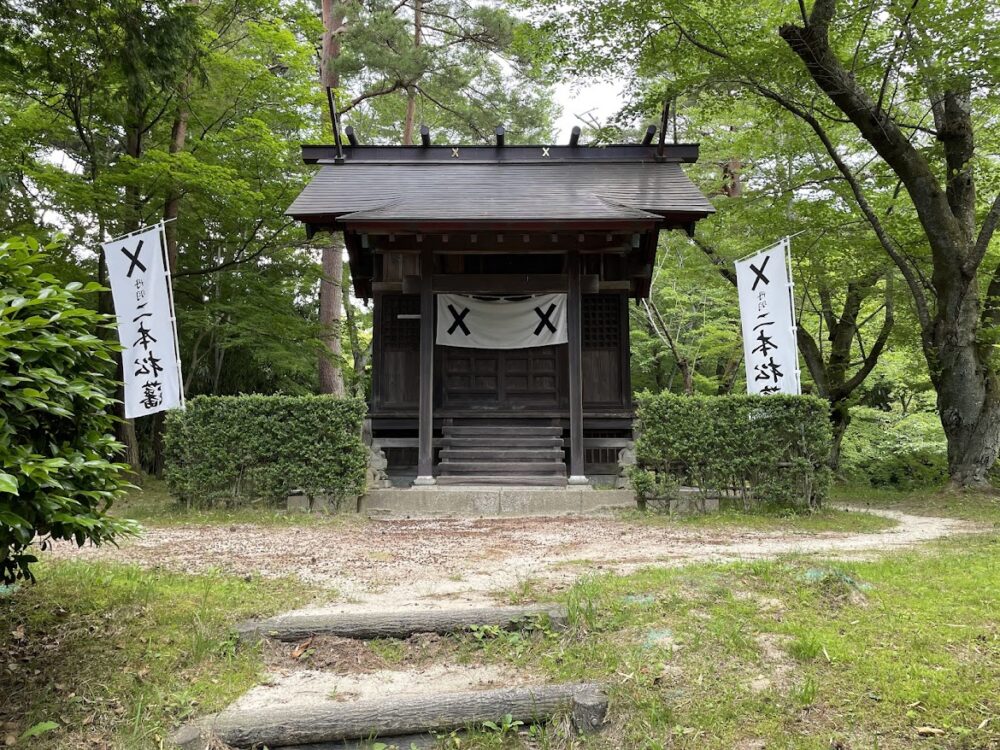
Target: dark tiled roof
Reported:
[(485, 192)]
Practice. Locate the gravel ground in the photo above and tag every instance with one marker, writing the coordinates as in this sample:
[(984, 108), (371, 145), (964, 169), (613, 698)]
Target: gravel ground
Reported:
[(456, 562)]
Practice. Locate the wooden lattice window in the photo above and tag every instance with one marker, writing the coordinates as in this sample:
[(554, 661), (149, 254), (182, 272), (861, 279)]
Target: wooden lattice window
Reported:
[(400, 333), (601, 321)]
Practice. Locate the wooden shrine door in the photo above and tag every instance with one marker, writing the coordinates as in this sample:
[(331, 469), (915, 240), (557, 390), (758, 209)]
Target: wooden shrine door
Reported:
[(502, 380)]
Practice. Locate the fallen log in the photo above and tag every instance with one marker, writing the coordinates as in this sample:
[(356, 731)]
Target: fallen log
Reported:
[(395, 716), (409, 742), (367, 626)]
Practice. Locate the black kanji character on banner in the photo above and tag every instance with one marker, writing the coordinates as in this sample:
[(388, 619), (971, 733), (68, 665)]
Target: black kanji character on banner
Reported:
[(152, 394), (768, 371), (148, 365), (766, 344), (145, 338)]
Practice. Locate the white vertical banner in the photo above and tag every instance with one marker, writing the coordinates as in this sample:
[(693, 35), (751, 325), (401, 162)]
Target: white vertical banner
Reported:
[(767, 314), (147, 330)]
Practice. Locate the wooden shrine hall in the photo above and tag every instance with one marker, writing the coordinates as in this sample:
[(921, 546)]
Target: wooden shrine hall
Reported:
[(501, 277)]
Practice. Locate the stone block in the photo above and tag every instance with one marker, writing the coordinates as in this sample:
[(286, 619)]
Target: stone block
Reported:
[(298, 503), (693, 502)]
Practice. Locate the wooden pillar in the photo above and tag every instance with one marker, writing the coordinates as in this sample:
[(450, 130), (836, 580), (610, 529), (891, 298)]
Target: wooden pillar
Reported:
[(574, 315), (425, 422)]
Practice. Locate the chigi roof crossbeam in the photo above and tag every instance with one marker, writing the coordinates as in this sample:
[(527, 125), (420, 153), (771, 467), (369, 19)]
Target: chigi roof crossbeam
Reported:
[(685, 153)]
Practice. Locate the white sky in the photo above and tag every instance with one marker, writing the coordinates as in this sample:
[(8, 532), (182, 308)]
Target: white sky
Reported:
[(598, 98)]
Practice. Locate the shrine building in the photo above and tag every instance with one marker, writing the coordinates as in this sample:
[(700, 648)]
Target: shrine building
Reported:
[(501, 277)]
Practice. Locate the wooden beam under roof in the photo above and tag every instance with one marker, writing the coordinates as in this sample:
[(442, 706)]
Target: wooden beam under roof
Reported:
[(484, 243), (500, 283)]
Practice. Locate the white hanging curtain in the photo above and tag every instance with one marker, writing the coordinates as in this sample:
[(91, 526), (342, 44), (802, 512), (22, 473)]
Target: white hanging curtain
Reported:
[(501, 324)]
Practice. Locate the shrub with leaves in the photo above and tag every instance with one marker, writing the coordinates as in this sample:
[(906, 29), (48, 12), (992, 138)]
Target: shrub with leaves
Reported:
[(236, 450), (757, 449), (58, 477), (887, 449)]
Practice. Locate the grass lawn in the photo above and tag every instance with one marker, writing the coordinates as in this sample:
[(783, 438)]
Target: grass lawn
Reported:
[(897, 653), (98, 655)]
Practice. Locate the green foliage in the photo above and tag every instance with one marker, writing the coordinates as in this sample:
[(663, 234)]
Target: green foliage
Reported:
[(457, 79), (57, 476), (884, 449), (762, 450), (239, 449)]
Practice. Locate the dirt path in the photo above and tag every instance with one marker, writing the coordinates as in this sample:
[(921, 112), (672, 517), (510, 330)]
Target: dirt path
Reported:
[(459, 562)]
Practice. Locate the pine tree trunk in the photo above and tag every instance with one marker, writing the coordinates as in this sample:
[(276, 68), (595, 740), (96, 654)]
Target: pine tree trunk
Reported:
[(331, 378), (411, 95), (358, 355)]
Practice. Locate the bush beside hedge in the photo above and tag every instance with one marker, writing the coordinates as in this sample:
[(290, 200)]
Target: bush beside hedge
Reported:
[(238, 449), (759, 449), (884, 449)]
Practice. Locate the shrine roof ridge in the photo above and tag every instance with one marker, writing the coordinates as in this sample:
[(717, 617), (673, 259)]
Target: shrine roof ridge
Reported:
[(633, 153)]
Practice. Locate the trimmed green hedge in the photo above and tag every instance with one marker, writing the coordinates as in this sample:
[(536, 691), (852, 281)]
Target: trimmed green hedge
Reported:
[(239, 449), (758, 449)]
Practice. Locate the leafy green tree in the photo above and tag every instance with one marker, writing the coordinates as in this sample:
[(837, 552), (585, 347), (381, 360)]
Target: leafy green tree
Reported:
[(897, 97), (58, 478), (454, 65), (219, 157)]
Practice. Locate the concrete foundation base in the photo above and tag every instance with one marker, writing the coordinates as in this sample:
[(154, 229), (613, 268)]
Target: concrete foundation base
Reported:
[(492, 501)]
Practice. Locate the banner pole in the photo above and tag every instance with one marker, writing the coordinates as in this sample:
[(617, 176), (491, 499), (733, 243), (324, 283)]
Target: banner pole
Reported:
[(791, 303), (140, 230), (173, 313), (766, 247)]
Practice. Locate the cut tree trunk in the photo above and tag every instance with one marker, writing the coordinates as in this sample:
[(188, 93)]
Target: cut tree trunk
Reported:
[(392, 716), (395, 624)]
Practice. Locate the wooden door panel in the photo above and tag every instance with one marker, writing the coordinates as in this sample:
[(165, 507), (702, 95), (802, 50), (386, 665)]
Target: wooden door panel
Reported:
[(500, 379)]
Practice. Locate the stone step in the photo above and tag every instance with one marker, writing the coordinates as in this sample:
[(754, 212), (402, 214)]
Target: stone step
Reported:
[(503, 455), (489, 430), (534, 468), (508, 480)]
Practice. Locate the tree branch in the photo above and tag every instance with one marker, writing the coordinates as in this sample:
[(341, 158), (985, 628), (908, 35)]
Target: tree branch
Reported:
[(812, 45), (720, 263), (912, 279), (986, 233)]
